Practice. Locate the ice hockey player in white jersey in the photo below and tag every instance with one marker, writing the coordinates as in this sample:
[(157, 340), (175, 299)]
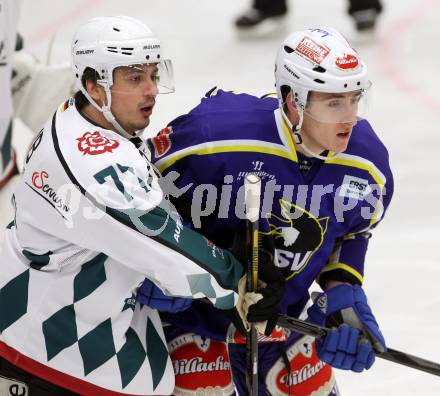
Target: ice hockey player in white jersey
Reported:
[(91, 224)]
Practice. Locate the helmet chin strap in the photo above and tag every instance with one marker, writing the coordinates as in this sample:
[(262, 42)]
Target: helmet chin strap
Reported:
[(296, 132), (107, 113)]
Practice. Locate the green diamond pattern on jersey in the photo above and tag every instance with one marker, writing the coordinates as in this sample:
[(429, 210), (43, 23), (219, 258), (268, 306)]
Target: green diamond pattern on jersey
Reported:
[(60, 331), (201, 283), (130, 357), (97, 346), (14, 300), (6, 147), (38, 261), (225, 302), (91, 276), (157, 353)]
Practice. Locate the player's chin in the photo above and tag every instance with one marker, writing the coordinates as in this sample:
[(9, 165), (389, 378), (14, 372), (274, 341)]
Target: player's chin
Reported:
[(143, 123), (339, 146)]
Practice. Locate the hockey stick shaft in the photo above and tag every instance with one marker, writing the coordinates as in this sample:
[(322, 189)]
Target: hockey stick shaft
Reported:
[(252, 202), (391, 355)]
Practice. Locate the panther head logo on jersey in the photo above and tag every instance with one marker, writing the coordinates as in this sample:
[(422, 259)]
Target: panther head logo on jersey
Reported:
[(297, 236)]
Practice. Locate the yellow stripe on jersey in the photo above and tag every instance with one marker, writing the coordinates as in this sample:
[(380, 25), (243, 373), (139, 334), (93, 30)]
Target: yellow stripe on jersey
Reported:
[(362, 163), (290, 143), (215, 90), (211, 148), (345, 267)]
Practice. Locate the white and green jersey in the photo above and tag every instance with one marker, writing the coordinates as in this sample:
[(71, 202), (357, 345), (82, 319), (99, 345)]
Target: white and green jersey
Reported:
[(91, 223)]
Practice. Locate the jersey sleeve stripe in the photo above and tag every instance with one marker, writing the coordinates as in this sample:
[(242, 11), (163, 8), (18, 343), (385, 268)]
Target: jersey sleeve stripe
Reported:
[(223, 146), (345, 267), (355, 161)]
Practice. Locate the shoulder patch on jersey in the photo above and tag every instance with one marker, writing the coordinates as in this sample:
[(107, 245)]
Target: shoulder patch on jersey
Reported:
[(66, 105), (94, 143), (354, 187), (162, 142)]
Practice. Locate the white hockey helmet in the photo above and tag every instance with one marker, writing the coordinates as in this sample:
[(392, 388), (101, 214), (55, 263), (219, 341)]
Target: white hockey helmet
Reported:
[(106, 43), (319, 60)]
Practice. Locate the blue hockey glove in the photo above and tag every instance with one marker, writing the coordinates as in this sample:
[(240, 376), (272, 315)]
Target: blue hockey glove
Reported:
[(149, 294), (355, 334)]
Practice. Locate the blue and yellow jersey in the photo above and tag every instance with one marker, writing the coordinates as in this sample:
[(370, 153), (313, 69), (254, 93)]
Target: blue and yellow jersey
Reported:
[(320, 225)]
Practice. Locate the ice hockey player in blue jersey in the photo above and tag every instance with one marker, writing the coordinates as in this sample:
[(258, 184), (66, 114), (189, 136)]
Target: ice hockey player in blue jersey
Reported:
[(327, 184)]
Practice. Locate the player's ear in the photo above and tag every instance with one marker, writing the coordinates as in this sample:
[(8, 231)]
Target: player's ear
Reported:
[(291, 108), (96, 92)]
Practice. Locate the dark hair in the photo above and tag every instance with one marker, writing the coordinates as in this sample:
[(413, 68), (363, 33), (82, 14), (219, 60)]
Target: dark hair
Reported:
[(285, 89), (88, 75)]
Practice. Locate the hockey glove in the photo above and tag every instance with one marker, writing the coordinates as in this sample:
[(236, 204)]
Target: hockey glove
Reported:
[(260, 307), (149, 294), (355, 334)]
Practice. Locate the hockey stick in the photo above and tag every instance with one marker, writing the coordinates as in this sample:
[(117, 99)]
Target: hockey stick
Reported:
[(252, 194), (392, 355)]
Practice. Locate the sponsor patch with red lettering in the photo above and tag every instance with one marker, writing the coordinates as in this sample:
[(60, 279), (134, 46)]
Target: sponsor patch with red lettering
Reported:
[(235, 337), (42, 187), (308, 375), (162, 142), (201, 366), (93, 143), (347, 61), (311, 50)]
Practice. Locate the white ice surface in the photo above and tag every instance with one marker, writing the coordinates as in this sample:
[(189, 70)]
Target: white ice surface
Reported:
[(403, 264)]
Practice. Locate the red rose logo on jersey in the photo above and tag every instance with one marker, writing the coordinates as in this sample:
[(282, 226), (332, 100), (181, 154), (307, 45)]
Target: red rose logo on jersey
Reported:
[(347, 62), (201, 366), (162, 142), (307, 376), (94, 144)]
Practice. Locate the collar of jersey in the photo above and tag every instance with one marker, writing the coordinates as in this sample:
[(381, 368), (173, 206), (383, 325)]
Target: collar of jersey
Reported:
[(285, 134)]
